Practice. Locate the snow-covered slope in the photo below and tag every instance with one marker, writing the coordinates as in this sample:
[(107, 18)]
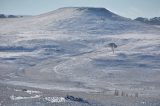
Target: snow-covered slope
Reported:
[(67, 49), (73, 20)]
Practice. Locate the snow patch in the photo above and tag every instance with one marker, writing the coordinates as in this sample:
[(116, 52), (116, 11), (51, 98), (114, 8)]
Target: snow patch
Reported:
[(28, 91), (55, 99), (17, 90), (21, 98), (32, 92)]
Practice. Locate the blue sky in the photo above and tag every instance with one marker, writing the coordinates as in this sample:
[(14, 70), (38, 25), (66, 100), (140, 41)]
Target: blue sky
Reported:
[(127, 8)]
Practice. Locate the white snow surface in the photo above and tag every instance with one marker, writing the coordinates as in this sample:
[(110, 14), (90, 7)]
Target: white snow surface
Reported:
[(68, 48), (33, 92), (21, 98), (55, 99)]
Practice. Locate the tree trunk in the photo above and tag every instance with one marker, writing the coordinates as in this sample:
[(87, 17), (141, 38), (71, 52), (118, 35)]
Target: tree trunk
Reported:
[(113, 49)]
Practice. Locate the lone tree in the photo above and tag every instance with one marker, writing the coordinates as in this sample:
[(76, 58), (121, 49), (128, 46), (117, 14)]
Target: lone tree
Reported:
[(113, 46)]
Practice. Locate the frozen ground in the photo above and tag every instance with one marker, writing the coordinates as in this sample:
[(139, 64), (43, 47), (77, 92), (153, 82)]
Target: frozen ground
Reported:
[(68, 50), (16, 96)]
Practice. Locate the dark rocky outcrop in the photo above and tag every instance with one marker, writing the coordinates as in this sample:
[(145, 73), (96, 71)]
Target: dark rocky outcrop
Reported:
[(151, 21), (2, 16), (72, 98)]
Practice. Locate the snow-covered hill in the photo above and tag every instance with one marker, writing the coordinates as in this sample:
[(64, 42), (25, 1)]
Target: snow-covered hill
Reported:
[(73, 20), (67, 49)]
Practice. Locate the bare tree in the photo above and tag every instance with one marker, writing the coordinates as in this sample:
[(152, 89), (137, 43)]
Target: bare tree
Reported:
[(136, 94), (122, 94), (116, 93), (127, 95), (113, 46)]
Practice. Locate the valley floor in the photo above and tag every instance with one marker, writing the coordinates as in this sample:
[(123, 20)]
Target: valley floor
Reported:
[(26, 96)]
